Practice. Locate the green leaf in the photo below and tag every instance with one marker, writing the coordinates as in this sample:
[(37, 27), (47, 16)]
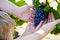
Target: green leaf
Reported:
[(21, 3), (58, 26), (56, 30), (56, 14), (36, 4), (47, 9), (58, 7), (17, 20), (13, 1)]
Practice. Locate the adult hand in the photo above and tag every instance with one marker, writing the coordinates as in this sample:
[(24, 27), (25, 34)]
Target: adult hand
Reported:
[(48, 27), (26, 12), (30, 27), (43, 30)]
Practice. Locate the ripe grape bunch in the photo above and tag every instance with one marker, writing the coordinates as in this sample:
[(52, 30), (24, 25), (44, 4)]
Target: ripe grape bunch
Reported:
[(39, 15)]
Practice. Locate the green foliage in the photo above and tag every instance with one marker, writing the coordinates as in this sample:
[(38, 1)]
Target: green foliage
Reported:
[(47, 9), (56, 30), (21, 3), (17, 20), (58, 7), (13, 1), (36, 4)]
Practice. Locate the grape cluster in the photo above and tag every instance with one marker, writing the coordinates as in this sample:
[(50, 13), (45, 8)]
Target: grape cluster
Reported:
[(39, 15)]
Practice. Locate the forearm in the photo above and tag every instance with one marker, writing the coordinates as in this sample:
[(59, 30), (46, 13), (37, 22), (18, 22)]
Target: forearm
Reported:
[(9, 7), (33, 36)]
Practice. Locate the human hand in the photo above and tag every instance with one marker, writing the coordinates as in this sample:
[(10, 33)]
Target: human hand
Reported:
[(26, 12), (48, 27), (51, 17), (31, 29)]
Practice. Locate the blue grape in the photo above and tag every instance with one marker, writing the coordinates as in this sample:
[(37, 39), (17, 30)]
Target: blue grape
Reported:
[(39, 15)]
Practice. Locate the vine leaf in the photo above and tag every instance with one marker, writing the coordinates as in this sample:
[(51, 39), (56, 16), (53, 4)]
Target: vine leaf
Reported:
[(58, 7), (58, 26), (36, 4)]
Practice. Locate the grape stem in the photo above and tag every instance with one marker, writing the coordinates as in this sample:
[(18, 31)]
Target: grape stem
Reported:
[(47, 2), (50, 2)]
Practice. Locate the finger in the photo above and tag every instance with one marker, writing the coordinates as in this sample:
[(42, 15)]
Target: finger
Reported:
[(52, 17), (44, 22), (49, 17), (31, 8), (32, 16), (56, 21), (33, 12), (31, 20), (32, 27), (38, 27)]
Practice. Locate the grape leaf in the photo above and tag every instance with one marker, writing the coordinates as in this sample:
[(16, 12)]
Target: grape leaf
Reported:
[(56, 14), (58, 26), (36, 4), (21, 3), (47, 9), (58, 7), (13, 1), (17, 20)]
